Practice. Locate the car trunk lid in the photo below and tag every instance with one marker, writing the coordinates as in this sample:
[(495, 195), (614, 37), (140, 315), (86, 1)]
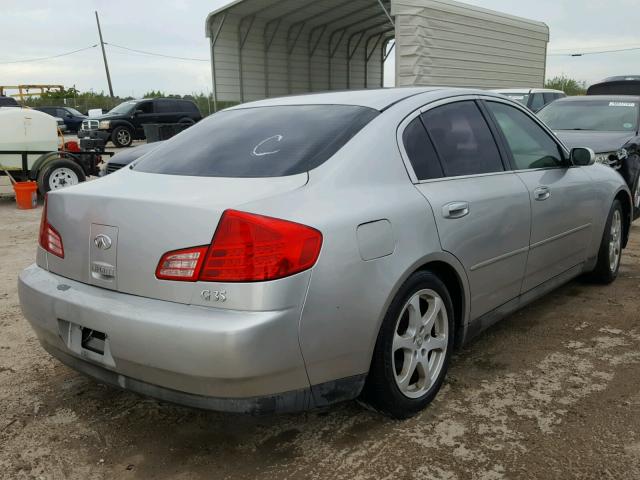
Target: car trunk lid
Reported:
[(116, 229)]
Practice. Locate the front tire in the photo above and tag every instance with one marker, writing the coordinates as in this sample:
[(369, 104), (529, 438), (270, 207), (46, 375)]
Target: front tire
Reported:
[(121, 137), (58, 174), (413, 349), (610, 251)]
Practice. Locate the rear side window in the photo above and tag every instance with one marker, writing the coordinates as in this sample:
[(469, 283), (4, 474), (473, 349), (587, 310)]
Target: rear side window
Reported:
[(549, 97), (530, 145), (420, 151), (537, 102), (166, 106), (187, 107), (462, 139), (259, 142)]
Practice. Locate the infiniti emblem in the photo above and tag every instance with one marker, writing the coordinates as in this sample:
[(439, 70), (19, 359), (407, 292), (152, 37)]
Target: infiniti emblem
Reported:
[(103, 242)]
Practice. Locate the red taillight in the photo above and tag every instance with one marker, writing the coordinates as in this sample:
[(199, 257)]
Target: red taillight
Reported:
[(49, 237), (249, 248), (181, 264)]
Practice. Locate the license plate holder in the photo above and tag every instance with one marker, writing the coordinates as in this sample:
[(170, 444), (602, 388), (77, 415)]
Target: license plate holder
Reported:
[(86, 342)]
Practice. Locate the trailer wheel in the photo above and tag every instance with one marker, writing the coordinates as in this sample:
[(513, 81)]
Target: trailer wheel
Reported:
[(58, 174)]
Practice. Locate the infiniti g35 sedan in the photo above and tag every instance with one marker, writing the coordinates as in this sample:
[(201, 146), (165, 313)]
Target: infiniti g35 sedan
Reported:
[(291, 253)]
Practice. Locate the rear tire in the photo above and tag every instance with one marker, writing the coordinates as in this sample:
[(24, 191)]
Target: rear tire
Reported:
[(610, 251), (58, 174), (121, 137), (413, 349)]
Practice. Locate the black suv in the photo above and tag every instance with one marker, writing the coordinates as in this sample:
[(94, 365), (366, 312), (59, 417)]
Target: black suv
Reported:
[(71, 117), (8, 102), (124, 123)]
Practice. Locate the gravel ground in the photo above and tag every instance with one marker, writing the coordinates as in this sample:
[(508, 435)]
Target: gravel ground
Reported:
[(550, 392)]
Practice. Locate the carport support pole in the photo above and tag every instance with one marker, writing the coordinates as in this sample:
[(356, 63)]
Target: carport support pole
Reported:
[(104, 56), (212, 42)]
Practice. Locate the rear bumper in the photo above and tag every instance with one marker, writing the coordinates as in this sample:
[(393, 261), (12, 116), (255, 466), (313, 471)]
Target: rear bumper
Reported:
[(197, 356)]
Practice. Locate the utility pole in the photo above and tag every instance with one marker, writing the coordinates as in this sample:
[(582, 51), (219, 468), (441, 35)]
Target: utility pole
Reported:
[(104, 56)]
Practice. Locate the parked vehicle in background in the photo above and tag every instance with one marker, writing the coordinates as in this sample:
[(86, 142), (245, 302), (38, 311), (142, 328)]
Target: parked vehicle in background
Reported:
[(61, 125), (8, 102), (29, 150), (124, 123), (71, 117), (126, 157), (532, 98), (295, 252), (608, 124), (620, 85)]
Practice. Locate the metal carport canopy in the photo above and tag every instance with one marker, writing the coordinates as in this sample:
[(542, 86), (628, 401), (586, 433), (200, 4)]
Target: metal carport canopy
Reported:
[(266, 48)]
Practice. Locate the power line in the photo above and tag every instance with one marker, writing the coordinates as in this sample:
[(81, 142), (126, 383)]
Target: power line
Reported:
[(144, 52), (50, 57), (592, 53)]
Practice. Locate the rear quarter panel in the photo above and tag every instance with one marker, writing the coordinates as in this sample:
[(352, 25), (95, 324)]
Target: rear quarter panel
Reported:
[(348, 297)]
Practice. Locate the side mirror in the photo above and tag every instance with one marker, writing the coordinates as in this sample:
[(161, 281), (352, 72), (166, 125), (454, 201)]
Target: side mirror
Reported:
[(582, 157), (138, 112)]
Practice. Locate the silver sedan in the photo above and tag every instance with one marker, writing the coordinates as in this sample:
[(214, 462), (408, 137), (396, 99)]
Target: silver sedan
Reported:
[(291, 253)]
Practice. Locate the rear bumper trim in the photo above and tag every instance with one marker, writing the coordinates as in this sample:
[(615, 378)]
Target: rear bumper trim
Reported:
[(294, 401)]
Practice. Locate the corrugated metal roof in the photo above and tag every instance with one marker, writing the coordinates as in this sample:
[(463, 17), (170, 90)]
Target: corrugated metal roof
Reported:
[(266, 48)]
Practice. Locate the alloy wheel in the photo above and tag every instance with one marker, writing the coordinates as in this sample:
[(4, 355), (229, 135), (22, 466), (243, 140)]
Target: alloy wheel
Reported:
[(615, 240), (420, 343), (124, 137)]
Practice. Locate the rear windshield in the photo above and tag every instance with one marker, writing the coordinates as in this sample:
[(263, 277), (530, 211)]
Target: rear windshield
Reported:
[(259, 142), (598, 115)]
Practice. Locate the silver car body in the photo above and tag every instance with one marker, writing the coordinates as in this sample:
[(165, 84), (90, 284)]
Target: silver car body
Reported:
[(305, 340)]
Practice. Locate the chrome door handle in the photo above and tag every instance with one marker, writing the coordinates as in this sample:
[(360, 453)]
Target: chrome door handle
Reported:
[(541, 193), (455, 210)]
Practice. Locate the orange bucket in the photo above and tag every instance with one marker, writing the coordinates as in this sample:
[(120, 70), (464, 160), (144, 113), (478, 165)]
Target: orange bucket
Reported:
[(26, 194)]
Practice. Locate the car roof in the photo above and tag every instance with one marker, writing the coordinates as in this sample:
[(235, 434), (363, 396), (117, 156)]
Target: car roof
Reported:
[(376, 98), (526, 90), (612, 98)]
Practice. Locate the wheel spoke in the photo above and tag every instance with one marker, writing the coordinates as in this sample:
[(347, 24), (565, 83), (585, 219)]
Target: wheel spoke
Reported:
[(436, 343), (415, 318), (424, 369), (410, 362), (402, 342), (429, 319)]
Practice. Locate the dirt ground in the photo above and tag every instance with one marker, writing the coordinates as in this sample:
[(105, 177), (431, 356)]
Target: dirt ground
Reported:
[(550, 393)]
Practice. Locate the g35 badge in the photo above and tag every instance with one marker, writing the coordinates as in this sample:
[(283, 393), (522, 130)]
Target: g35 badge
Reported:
[(214, 295)]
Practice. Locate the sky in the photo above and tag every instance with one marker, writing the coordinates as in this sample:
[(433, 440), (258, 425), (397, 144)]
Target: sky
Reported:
[(33, 29)]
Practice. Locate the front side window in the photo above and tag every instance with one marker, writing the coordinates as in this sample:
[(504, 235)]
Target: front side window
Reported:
[(259, 142), (462, 139), (615, 115), (420, 151), (530, 145), (125, 108)]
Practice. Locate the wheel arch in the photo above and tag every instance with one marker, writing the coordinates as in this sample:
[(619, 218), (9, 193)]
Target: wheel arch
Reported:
[(47, 158), (627, 209), (121, 123), (456, 287), (452, 273)]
